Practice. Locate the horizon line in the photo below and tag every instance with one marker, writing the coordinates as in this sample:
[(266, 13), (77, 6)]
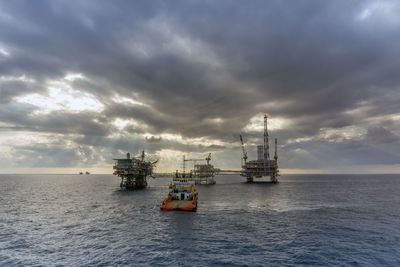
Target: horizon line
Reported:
[(168, 173)]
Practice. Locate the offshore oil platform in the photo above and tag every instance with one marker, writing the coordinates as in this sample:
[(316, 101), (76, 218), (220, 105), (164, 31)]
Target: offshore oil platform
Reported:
[(263, 166), (133, 171), (202, 173)]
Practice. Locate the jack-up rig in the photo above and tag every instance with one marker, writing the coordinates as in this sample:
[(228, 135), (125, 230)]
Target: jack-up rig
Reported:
[(263, 166), (133, 171)]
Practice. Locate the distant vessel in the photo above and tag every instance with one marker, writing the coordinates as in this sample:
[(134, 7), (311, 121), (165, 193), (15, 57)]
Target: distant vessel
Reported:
[(87, 173), (133, 171), (80, 173), (263, 166), (183, 195)]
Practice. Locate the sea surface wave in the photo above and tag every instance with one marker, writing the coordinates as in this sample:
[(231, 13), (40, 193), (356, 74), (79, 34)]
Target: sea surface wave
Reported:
[(75, 220)]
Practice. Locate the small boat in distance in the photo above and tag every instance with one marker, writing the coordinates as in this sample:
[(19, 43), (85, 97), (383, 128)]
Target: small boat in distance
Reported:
[(80, 173), (183, 195), (87, 173)]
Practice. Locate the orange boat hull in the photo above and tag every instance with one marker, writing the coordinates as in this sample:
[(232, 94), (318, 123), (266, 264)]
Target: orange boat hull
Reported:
[(184, 205)]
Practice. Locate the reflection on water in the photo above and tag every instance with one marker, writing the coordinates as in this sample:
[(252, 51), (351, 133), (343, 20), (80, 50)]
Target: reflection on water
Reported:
[(89, 220)]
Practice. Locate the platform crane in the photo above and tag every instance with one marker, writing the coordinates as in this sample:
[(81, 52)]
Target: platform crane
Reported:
[(244, 151), (194, 160), (208, 159)]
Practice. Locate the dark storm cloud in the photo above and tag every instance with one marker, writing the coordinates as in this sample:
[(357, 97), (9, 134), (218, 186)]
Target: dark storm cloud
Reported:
[(46, 156), (134, 143), (212, 147), (336, 156), (204, 68), (379, 135), (10, 89), (55, 122)]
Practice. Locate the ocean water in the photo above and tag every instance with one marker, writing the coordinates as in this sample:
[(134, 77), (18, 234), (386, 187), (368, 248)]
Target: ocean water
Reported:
[(74, 220)]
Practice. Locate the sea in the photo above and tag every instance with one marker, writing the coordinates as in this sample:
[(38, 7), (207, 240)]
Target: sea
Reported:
[(88, 220)]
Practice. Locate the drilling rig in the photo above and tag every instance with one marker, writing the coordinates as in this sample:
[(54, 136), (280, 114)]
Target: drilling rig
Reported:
[(133, 171), (263, 166), (203, 173)]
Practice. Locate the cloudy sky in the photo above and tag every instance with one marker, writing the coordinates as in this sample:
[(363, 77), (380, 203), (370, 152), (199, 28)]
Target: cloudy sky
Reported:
[(82, 82)]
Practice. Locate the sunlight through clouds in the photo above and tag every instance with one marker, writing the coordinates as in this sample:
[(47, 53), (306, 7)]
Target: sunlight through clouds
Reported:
[(190, 77), (4, 52), (127, 100), (256, 123), (74, 76), (62, 97), (122, 123)]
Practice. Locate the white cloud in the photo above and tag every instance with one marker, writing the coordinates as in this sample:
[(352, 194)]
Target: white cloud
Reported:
[(24, 138), (299, 140), (127, 100), (21, 78), (187, 141), (62, 97), (10, 141), (4, 52), (122, 123), (74, 76), (342, 134), (383, 9), (256, 123), (334, 135)]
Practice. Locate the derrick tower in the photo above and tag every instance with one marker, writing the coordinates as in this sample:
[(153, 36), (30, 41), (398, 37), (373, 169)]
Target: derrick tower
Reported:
[(266, 141), (263, 166)]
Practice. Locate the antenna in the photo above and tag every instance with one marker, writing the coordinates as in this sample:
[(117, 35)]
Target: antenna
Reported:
[(184, 165)]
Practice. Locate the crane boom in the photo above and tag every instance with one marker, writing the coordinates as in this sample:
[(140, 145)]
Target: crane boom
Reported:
[(244, 151), (194, 161), (208, 159)]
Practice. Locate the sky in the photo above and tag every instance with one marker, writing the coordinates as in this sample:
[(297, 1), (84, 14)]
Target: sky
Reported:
[(83, 82)]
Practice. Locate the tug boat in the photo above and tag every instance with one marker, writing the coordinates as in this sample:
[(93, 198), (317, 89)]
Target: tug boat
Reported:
[(183, 195)]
